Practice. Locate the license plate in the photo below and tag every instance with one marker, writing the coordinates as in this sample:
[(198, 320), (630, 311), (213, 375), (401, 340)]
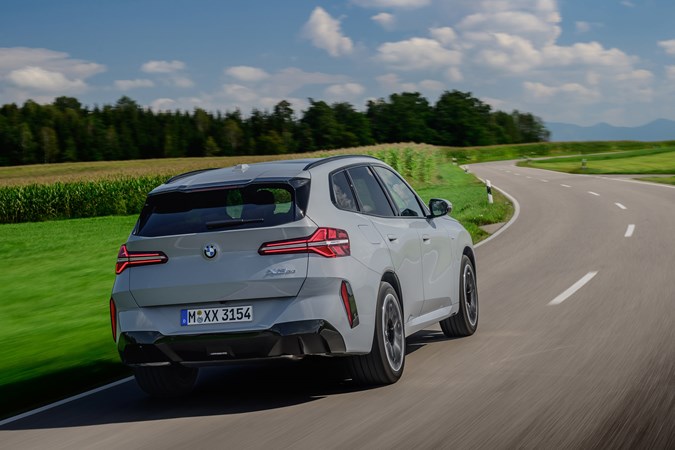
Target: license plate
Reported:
[(207, 316)]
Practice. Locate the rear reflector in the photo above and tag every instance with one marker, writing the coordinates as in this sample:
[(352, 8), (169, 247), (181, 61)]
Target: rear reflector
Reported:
[(126, 259), (328, 242), (113, 319), (349, 301)]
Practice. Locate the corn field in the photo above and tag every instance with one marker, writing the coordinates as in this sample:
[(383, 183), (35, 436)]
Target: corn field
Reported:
[(126, 195)]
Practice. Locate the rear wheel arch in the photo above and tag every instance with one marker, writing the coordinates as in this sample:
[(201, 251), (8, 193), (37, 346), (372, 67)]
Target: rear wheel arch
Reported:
[(469, 253), (391, 278)]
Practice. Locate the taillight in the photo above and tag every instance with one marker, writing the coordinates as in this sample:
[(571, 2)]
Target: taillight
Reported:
[(328, 242), (349, 301), (113, 319), (126, 259)]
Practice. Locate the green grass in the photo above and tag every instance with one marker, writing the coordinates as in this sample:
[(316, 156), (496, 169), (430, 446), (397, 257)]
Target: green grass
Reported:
[(469, 200), (468, 155), (662, 180), (56, 281), (55, 284), (646, 161)]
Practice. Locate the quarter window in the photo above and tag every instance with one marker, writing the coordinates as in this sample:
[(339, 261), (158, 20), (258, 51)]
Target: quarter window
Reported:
[(343, 197), (369, 192)]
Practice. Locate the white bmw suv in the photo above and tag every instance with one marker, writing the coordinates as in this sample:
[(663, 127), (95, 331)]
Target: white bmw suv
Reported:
[(336, 257)]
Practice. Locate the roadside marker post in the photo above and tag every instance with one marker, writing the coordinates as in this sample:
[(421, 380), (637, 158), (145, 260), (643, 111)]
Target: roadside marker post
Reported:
[(583, 164), (489, 191)]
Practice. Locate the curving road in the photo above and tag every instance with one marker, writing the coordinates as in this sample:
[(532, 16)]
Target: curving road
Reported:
[(575, 348)]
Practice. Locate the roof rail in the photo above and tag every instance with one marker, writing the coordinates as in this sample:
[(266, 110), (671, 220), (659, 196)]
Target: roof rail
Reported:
[(187, 174), (335, 158)]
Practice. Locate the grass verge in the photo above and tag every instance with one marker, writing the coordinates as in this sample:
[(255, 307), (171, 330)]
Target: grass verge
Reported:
[(645, 161), (55, 284), (662, 180)]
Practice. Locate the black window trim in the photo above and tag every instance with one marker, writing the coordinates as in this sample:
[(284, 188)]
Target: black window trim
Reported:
[(392, 204), (356, 196), (420, 203)]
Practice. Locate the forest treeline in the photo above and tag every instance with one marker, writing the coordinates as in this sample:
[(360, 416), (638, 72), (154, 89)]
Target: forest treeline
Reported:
[(68, 131)]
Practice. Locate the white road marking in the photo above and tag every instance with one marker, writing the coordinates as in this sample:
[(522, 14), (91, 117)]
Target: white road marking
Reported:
[(594, 193), (529, 177), (64, 401), (572, 289), (566, 185), (629, 230), (516, 213), (517, 174), (620, 205), (542, 180)]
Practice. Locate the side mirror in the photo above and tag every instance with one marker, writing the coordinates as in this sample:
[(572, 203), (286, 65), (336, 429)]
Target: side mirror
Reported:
[(439, 207)]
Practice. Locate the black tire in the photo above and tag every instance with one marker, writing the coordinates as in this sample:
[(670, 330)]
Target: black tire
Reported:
[(166, 381), (385, 363), (465, 322)]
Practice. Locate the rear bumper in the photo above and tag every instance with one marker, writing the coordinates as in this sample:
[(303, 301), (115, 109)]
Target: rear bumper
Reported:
[(305, 337)]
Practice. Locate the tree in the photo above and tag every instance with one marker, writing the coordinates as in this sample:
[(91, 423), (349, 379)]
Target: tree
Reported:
[(50, 144), (531, 128), (211, 148), (459, 119), (320, 120)]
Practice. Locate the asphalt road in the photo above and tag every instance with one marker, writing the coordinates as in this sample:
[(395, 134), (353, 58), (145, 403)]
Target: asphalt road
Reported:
[(594, 370)]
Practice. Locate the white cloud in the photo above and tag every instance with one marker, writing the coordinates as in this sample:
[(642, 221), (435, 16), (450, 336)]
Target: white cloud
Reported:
[(670, 73), (41, 74), (163, 66), (668, 46), (385, 20), (247, 73), (180, 81), (454, 74), (392, 83), (324, 33), (541, 92), (240, 93), (417, 54), (163, 104), (125, 85), (638, 76), (444, 35), (32, 77), (12, 58), (527, 24), (394, 4), (431, 85), (628, 4), (345, 90)]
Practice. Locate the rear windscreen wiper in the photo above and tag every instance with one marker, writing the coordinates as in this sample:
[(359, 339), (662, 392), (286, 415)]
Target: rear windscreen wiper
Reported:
[(231, 223)]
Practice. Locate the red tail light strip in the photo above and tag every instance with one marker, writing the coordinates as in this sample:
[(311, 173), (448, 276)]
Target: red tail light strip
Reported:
[(327, 242), (113, 319), (126, 259)]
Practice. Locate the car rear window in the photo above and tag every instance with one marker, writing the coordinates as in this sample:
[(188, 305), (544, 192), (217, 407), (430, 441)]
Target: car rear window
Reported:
[(252, 206)]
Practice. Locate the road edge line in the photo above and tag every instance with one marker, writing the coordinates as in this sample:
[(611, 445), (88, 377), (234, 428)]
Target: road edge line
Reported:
[(64, 401), (516, 213)]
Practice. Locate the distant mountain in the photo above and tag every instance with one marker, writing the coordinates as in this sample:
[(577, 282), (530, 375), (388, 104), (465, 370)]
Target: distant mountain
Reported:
[(658, 130)]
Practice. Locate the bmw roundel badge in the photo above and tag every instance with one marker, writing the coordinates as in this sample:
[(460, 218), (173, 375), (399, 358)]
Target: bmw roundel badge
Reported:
[(210, 250)]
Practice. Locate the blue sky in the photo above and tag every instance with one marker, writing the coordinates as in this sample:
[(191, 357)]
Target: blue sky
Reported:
[(571, 61)]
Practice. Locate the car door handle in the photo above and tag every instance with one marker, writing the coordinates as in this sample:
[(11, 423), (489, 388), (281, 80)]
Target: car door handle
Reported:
[(392, 237), (426, 238)]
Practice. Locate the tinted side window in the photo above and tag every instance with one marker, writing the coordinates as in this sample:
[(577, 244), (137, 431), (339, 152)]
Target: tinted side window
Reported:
[(403, 196), (368, 190), (343, 197)]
